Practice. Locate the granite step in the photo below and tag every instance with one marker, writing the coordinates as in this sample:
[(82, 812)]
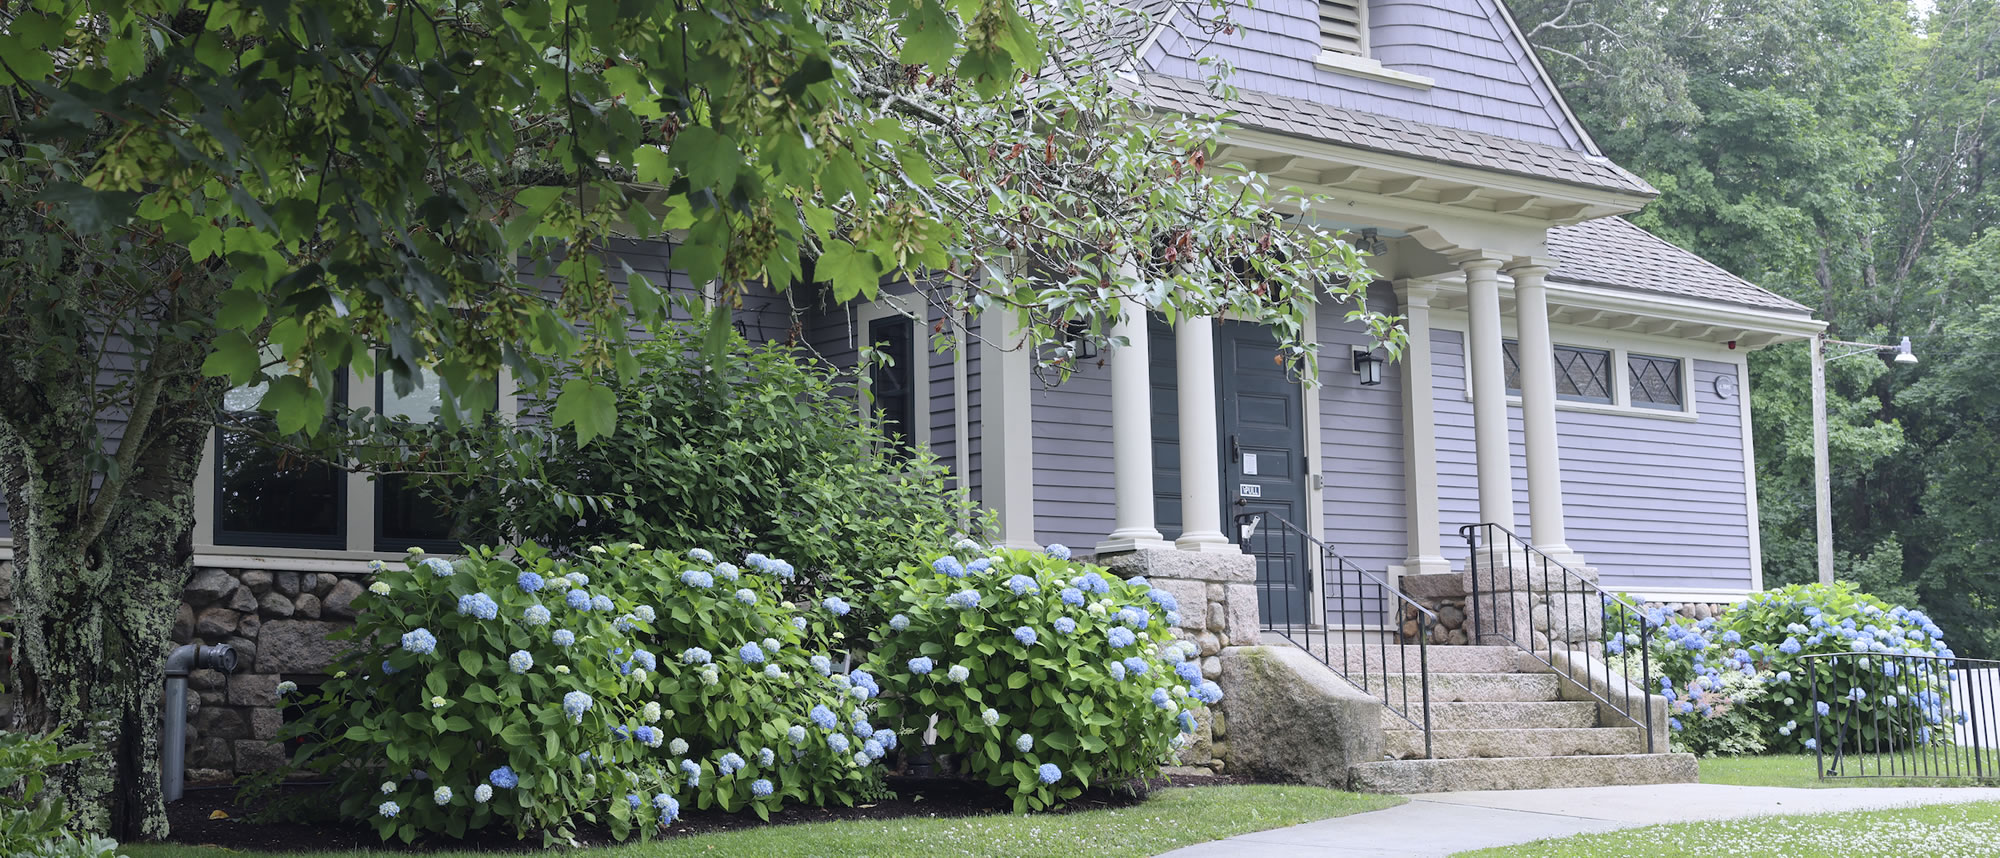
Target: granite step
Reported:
[(1409, 659), (1465, 687), (1445, 775), (1406, 744), (1502, 715)]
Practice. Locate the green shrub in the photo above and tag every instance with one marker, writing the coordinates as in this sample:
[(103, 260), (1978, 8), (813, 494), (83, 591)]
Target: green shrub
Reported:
[(1747, 670), (1017, 656), (29, 815), (737, 447), (537, 693), (72, 846)]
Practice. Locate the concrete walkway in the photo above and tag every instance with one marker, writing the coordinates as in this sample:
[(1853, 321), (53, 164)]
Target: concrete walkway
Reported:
[(1440, 824)]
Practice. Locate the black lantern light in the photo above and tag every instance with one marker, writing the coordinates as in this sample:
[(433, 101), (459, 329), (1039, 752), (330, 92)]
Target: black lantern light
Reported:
[(1368, 365)]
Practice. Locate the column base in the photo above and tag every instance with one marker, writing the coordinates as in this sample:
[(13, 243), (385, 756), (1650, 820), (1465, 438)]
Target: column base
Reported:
[(1210, 543), (1126, 544), (1428, 565)]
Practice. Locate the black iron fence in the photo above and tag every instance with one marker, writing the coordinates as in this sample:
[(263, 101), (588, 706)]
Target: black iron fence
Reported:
[(1533, 601), (1894, 715), (1362, 627)]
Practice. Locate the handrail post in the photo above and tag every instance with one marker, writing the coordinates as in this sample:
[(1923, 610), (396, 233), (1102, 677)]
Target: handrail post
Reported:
[(1424, 671)]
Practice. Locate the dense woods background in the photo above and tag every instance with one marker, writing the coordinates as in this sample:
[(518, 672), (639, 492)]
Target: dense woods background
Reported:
[(1841, 153)]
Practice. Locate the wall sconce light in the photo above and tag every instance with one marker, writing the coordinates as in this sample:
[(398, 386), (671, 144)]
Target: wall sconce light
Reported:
[(1076, 336), (1368, 365)]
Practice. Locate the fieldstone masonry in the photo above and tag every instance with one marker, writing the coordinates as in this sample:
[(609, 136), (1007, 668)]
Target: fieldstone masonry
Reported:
[(1217, 593)]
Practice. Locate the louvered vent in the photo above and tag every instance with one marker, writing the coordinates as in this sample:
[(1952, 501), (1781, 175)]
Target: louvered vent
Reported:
[(1342, 27)]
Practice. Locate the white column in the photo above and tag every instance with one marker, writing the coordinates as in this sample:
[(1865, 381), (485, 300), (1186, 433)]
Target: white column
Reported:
[(1201, 464), (1822, 484), (1420, 473), (1006, 427), (1538, 409), (1489, 389), (1132, 438)]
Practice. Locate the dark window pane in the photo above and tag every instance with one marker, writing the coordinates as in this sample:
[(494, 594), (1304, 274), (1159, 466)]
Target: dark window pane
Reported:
[(1510, 354), (405, 515), (893, 385), (1656, 381), (266, 496), (1583, 375)]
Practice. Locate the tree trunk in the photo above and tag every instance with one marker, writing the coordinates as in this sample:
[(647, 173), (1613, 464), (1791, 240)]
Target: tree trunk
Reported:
[(94, 617)]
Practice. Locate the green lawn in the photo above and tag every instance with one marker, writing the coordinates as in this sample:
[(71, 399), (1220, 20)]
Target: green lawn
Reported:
[(1935, 831), (1170, 819), (1796, 770)]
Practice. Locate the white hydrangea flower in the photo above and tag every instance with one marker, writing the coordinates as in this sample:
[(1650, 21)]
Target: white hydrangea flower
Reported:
[(388, 787), (379, 588), (483, 793)]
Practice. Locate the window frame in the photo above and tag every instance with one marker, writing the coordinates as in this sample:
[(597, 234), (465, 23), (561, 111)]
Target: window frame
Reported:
[(384, 544), (1683, 382), (261, 539), (910, 307), (1620, 348)]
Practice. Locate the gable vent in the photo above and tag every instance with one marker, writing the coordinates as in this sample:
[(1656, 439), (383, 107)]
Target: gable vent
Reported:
[(1343, 26)]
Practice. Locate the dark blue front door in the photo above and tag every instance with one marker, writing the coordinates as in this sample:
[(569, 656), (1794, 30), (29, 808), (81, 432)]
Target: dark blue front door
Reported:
[(1264, 459)]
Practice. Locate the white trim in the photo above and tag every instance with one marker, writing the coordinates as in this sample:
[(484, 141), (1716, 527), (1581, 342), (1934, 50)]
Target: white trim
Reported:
[(910, 307), (1315, 472), (1500, 183), (1755, 522), (1685, 594), (1619, 345), (1787, 325), (1006, 426), (1340, 62)]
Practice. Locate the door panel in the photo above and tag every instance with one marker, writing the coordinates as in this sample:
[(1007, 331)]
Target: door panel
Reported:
[(1263, 432)]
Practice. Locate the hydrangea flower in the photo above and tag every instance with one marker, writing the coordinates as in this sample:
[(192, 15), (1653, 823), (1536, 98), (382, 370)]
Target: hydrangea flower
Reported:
[(989, 716), (1138, 581), (920, 665), (535, 615), (420, 642), (1811, 744), (835, 605), (575, 704), (1024, 743), (1022, 585), (388, 788), (1790, 646), (760, 787), (700, 555), (795, 734), (823, 717), (751, 653), (1058, 550), (727, 571), (966, 545), (838, 742), (645, 613), (772, 671), (746, 595), (478, 606), (562, 637), (379, 588), (1071, 596), (669, 808), (482, 793), (1048, 773), (899, 622), (287, 687), (520, 661), (886, 737), (577, 600), (1160, 698), (602, 603), (1135, 665), (864, 679), (1208, 692), (1117, 671), (1091, 582), (695, 655), (678, 746), (957, 673), (799, 623), (529, 582), (964, 600), (730, 764), (1120, 637), (441, 795), (1186, 721), (948, 566), (822, 664), (980, 565), (1188, 670), (577, 579), (1133, 617), (766, 757), (439, 566), (389, 809), (873, 749), (697, 578), (1823, 708), (1065, 625), (504, 778)]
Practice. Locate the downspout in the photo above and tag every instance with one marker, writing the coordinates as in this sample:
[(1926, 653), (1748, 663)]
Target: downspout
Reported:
[(961, 410), (173, 740)]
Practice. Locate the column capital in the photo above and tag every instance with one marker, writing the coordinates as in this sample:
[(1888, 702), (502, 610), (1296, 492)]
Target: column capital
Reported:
[(1530, 266), (1475, 259), (1415, 293)]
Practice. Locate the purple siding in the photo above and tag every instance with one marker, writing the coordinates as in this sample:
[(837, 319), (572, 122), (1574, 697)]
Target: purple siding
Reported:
[(1485, 79), (1072, 442), (1360, 443), (1650, 502)]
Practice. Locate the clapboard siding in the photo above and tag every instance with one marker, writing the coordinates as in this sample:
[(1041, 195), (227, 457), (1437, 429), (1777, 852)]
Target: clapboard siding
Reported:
[(1485, 80), (1650, 502), (1072, 463), (1360, 443)]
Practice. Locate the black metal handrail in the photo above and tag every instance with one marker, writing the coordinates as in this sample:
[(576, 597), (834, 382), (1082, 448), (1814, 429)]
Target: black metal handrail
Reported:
[(1940, 723), (1497, 555), (1355, 602)]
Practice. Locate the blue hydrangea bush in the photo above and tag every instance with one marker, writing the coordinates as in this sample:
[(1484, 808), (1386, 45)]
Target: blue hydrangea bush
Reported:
[(1039, 675), (1739, 683), (616, 688)]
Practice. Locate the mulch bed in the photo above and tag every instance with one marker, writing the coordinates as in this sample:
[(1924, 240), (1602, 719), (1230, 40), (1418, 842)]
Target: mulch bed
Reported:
[(264, 827)]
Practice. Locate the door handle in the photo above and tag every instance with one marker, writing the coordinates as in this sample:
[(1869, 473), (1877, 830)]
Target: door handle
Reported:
[(1235, 449)]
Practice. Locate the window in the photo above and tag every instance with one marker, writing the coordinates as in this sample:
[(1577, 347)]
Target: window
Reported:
[(1582, 375), (1343, 26), (405, 515), (1656, 382), (273, 497), (892, 378)]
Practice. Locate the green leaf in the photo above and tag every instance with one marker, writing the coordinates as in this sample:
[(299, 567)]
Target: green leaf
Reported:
[(234, 358), (241, 310), (851, 270), (470, 661), (590, 407), (707, 158)]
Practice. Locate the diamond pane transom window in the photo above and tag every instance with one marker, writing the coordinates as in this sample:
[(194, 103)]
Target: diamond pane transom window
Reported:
[(1342, 26), (1656, 381), (1583, 375), (1510, 354)]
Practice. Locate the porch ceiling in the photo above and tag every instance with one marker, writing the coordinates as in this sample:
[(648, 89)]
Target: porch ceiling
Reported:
[(1618, 310)]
